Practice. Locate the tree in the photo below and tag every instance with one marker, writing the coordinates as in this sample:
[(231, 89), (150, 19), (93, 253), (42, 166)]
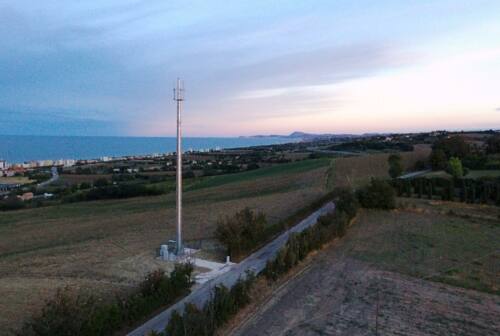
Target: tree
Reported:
[(395, 165), (240, 232), (377, 195), (453, 146), (493, 144), (101, 182), (455, 168), (438, 159)]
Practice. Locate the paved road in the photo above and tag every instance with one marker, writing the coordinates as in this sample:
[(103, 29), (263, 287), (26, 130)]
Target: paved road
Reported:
[(55, 177), (415, 174), (255, 262)]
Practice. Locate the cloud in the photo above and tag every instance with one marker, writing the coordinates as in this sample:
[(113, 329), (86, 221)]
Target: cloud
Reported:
[(113, 62), (25, 121)]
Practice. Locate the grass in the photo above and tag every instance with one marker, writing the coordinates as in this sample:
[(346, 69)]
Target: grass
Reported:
[(441, 247), (15, 180), (277, 170)]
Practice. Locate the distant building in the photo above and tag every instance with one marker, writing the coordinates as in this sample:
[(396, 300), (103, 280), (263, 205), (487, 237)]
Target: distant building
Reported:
[(3, 164), (65, 163)]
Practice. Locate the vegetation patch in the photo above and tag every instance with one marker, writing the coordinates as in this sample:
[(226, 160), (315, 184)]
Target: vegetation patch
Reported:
[(71, 313)]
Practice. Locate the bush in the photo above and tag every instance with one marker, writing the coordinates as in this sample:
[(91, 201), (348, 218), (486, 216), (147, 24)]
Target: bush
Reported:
[(377, 195), (72, 313), (11, 203), (223, 304)]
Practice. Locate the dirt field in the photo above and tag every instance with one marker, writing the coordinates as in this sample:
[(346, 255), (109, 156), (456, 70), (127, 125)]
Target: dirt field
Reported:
[(377, 280), (107, 246)]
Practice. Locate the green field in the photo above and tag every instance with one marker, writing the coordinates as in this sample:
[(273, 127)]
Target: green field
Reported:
[(277, 170)]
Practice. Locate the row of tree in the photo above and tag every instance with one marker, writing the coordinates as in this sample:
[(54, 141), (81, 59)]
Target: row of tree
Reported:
[(224, 303), (485, 191), (112, 192), (456, 147), (72, 313)]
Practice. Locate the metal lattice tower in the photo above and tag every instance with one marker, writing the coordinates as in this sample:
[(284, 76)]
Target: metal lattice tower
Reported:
[(179, 98)]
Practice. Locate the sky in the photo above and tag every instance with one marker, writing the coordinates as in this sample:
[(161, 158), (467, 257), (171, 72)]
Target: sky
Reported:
[(108, 67)]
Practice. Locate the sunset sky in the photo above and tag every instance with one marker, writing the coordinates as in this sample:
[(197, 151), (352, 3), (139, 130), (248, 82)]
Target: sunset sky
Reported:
[(107, 67)]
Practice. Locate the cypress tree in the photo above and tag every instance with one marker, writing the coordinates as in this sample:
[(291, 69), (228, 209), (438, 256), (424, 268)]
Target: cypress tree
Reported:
[(451, 190), (408, 188), (497, 194), (474, 187), (463, 191), (420, 188)]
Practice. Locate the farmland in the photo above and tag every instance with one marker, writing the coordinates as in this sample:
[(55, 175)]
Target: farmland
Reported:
[(358, 170), (107, 246), (422, 269)]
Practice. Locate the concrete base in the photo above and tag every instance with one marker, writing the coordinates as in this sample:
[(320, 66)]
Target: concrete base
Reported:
[(167, 255)]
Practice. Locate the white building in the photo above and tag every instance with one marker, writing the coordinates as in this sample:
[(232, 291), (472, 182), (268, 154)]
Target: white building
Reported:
[(3, 165)]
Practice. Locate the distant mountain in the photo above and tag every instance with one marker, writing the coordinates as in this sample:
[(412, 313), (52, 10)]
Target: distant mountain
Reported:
[(308, 136)]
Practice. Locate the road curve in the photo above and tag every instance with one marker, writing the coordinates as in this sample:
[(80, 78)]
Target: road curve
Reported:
[(415, 174), (55, 177), (255, 263)]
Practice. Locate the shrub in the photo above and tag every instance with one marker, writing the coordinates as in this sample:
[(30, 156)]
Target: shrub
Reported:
[(11, 203), (72, 313), (223, 304), (299, 245), (377, 195)]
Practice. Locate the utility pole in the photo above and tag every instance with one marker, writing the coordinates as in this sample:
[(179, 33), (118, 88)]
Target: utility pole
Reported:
[(179, 97)]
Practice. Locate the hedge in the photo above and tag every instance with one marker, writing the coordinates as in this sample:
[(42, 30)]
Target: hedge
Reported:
[(484, 191)]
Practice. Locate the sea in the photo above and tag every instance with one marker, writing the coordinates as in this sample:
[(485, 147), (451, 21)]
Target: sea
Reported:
[(23, 148)]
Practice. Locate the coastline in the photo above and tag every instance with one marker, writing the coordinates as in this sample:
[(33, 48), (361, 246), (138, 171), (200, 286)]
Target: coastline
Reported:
[(19, 149)]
